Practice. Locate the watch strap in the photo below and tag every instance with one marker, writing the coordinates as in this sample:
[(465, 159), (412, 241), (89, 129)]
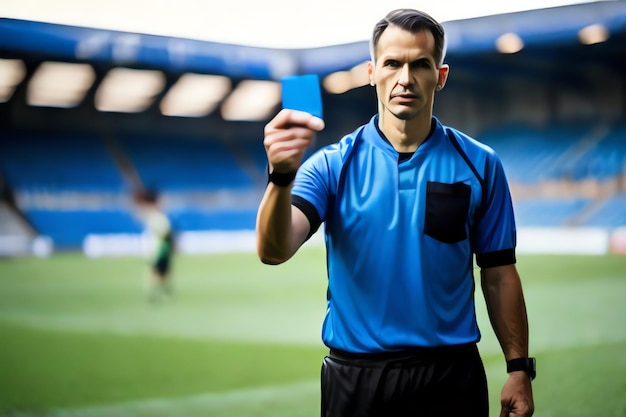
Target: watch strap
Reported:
[(527, 365), (282, 179)]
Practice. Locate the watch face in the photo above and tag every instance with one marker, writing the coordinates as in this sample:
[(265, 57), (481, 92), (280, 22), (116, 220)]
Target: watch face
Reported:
[(533, 368), (530, 366)]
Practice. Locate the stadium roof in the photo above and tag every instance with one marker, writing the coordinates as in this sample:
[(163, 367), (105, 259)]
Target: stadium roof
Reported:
[(559, 26), (50, 65), (270, 23)]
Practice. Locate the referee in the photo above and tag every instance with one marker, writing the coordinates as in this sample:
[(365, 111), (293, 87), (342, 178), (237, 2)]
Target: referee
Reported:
[(407, 203)]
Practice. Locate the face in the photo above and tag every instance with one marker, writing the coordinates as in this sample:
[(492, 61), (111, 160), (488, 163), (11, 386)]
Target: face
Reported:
[(406, 73)]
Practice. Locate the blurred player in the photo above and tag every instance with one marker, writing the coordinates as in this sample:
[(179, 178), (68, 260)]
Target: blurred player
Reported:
[(161, 245)]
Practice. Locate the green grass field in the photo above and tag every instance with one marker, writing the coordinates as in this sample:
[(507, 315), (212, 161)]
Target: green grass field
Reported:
[(78, 338)]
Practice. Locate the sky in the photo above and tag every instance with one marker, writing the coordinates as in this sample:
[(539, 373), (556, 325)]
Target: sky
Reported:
[(268, 23)]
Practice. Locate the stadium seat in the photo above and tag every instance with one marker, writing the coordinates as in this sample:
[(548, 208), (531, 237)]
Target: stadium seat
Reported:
[(55, 163), (68, 228), (171, 164), (551, 212), (610, 214), (531, 155), (198, 219)]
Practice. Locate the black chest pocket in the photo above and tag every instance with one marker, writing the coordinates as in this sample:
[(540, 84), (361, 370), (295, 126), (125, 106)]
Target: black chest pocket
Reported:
[(447, 206)]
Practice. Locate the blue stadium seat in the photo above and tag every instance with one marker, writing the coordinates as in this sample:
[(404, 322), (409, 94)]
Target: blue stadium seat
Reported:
[(184, 165), (68, 228), (198, 219), (52, 163), (606, 159), (547, 212), (531, 155), (611, 214)]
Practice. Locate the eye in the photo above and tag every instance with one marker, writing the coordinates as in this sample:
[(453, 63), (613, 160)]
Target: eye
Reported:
[(391, 63), (422, 63)]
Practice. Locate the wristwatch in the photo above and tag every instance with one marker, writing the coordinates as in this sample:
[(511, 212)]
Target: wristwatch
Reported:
[(528, 365)]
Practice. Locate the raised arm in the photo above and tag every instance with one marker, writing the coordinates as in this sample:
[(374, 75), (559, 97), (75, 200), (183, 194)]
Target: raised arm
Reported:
[(281, 228), (507, 312)]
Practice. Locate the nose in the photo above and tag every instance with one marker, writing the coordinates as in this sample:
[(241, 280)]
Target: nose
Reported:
[(405, 76)]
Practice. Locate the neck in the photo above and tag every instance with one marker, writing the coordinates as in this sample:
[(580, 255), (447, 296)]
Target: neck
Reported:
[(405, 135)]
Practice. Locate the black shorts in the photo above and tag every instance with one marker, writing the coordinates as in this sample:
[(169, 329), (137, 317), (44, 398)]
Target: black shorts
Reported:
[(425, 382), (162, 265)]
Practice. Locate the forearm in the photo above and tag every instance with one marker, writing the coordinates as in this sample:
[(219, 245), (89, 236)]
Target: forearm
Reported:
[(280, 228), (274, 225), (504, 298)]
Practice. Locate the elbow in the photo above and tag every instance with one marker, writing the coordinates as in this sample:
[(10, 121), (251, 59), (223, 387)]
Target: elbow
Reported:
[(268, 259), (273, 251)]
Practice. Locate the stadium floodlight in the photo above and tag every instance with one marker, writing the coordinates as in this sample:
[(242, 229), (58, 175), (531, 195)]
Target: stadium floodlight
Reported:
[(127, 90), (509, 43), (12, 72), (59, 84), (341, 81), (251, 100), (593, 34), (195, 95)]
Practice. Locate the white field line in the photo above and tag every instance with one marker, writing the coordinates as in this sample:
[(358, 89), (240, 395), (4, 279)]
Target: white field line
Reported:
[(199, 405)]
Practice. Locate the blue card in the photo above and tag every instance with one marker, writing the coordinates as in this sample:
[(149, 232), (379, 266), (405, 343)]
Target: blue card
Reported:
[(302, 92)]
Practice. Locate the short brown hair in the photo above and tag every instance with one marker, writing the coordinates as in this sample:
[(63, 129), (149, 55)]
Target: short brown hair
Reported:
[(413, 21)]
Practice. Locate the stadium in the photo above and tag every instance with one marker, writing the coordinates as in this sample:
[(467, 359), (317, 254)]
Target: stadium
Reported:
[(89, 115)]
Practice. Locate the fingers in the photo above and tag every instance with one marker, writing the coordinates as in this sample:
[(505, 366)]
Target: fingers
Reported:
[(287, 136), (287, 118), (518, 409), (516, 398)]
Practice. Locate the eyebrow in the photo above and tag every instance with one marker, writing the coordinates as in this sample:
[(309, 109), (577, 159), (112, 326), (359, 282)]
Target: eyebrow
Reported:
[(413, 61)]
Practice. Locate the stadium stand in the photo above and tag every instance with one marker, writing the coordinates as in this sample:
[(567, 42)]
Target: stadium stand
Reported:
[(534, 154), (199, 219), (553, 212), (610, 213), (69, 184), (174, 164), (568, 154), (606, 159), (47, 162), (68, 228)]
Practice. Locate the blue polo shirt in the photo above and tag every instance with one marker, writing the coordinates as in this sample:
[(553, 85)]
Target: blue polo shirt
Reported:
[(400, 236)]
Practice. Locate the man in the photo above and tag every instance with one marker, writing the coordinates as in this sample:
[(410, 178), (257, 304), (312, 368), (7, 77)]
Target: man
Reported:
[(406, 204), (161, 244)]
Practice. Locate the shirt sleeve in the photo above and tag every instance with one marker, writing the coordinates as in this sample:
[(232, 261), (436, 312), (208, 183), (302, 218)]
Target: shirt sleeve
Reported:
[(494, 236), (311, 190)]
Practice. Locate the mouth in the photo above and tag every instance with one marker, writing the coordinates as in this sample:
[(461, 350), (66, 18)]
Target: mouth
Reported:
[(404, 98)]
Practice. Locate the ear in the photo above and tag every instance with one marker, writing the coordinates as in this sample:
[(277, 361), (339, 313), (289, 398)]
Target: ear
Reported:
[(444, 70), (370, 73)]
